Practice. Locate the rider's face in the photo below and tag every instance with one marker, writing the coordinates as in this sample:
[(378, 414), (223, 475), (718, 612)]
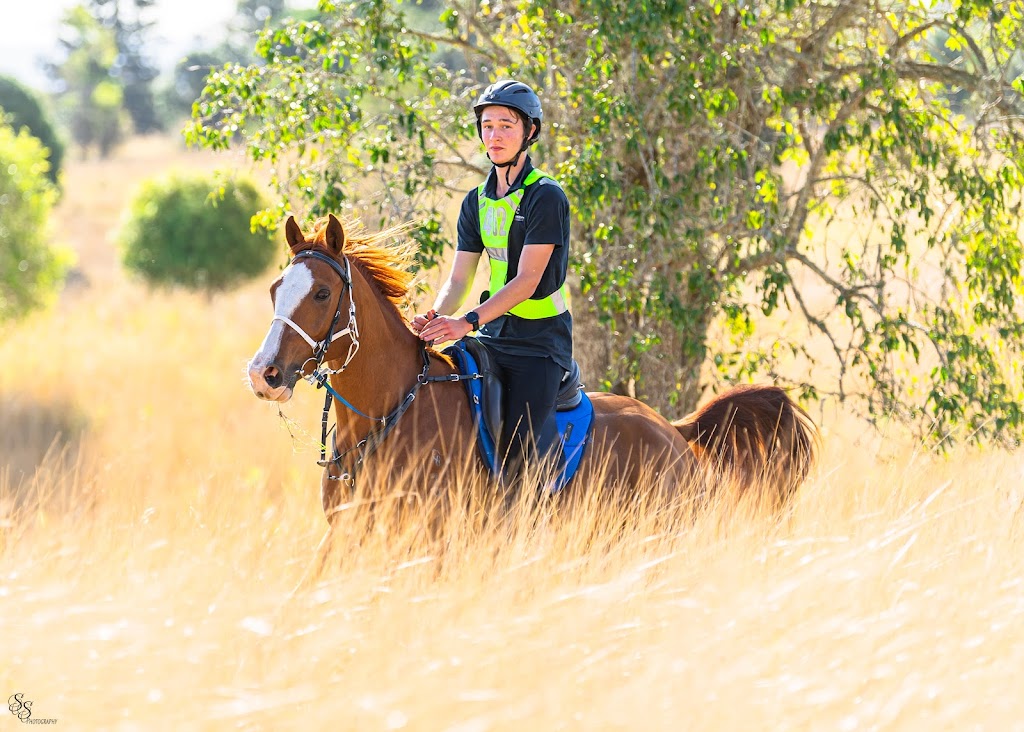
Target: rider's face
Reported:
[(502, 132)]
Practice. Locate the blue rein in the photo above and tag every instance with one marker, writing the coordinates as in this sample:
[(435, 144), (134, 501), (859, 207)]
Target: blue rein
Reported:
[(323, 381)]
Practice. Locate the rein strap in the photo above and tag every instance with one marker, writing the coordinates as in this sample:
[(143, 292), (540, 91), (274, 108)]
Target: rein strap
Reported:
[(373, 440)]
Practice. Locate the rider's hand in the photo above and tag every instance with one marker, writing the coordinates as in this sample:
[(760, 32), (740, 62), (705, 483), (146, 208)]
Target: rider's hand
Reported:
[(443, 329), (420, 321)]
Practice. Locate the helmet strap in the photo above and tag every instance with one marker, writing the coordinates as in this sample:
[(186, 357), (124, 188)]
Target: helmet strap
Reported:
[(507, 166)]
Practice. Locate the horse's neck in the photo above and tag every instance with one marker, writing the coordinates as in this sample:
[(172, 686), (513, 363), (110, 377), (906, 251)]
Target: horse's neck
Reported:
[(380, 378), (383, 371)]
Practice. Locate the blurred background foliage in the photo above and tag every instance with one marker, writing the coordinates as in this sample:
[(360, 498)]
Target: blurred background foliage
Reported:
[(31, 268), (22, 107)]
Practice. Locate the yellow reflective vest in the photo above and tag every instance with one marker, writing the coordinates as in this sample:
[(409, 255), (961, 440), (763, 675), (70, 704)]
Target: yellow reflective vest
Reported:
[(496, 219)]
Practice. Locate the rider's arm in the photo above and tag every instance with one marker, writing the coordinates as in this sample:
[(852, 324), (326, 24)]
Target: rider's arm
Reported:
[(532, 263), (460, 280)]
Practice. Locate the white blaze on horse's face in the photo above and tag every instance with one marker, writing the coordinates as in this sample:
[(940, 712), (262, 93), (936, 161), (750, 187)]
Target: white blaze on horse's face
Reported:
[(265, 377)]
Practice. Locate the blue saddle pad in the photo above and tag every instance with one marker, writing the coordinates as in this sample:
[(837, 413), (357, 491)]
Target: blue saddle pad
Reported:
[(573, 425)]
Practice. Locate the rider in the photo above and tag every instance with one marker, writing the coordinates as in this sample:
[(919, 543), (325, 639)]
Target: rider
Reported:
[(519, 216)]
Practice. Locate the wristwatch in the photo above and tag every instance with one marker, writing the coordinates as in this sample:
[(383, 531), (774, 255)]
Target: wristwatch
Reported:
[(473, 318)]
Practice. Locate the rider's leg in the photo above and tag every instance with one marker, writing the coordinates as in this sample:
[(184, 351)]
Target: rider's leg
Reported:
[(531, 388)]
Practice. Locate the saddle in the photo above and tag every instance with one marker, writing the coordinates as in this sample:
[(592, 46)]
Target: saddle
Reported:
[(570, 393), (574, 412)]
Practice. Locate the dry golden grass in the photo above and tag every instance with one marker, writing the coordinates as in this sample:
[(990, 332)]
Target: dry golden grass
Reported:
[(146, 557)]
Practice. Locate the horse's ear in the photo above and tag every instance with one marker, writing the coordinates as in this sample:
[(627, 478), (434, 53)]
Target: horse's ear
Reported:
[(335, 234), (293, 234)]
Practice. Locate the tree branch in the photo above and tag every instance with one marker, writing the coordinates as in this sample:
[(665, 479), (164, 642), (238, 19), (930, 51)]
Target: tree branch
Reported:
[(818, 38), (457, 43), (979, 56), (1007, 99), (798, 219), (824, 330), (848, 293)]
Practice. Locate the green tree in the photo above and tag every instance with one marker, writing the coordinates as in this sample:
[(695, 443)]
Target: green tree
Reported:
[(725, 162), (133, 70), (91, 98), (189, 76), (195, 231), (31, 270), (26, 110)]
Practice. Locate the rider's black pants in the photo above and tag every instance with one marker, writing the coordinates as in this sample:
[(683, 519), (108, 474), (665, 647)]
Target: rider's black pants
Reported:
[(531, 388)]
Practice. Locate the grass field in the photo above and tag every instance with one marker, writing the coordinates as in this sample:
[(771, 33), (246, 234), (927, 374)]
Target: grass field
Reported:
[(154, 516)]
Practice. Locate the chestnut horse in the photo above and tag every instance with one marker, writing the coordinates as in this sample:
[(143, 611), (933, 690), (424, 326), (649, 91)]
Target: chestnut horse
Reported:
[(337, 319)]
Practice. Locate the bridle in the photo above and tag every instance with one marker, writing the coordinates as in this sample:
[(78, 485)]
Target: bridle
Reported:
[(320, 348), (320, 376)]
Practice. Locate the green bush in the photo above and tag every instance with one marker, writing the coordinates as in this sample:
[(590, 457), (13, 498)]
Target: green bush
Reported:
[(31, 270), (195, 231), (25, 110)]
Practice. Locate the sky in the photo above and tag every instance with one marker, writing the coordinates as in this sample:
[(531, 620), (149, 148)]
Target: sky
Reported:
[(31, 28)]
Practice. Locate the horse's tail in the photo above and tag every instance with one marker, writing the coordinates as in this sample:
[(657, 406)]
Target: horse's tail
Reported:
[(756, 435)]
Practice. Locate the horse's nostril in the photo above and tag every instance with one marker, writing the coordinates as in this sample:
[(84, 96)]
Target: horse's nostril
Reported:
[(272, 376)]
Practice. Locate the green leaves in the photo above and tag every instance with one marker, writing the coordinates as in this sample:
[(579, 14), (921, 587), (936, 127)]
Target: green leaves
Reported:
[(31, 268), (350, 106)]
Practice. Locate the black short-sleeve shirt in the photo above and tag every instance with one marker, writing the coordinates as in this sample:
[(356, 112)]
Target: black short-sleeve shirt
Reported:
[(542, 218)]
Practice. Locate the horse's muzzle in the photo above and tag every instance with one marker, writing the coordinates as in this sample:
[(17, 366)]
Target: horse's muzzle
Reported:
[(269, 382)]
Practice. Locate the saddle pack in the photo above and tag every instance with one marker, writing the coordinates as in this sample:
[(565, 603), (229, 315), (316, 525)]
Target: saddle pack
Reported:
[(574, 412)]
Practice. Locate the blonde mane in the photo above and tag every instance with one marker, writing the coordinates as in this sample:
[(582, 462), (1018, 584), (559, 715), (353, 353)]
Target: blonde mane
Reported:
[(386, 264), (384, 258)]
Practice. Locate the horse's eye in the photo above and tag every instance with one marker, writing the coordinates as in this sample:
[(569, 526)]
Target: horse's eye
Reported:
[(323, 293)]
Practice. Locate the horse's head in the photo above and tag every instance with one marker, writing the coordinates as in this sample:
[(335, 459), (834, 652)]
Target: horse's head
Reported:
[(313, 308)]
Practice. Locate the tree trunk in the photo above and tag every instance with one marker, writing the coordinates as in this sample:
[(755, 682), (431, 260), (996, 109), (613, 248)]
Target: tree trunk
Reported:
[(668, 378)]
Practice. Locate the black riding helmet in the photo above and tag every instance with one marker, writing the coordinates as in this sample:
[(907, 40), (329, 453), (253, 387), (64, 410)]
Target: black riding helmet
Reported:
[(515, 95)]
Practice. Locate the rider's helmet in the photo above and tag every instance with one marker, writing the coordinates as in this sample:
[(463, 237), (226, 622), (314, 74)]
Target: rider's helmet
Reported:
[(515, 95)]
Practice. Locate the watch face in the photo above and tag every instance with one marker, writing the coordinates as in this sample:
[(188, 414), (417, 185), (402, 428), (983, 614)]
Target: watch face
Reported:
[(472, 318)]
